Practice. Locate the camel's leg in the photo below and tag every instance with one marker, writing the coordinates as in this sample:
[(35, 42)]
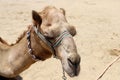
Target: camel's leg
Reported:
[(16, 78)]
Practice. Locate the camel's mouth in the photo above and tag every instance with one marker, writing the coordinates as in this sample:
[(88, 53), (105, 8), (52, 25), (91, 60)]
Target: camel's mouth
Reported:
[(71, 69), (75, 69)]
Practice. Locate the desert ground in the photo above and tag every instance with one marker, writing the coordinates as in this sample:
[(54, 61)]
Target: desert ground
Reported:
[(98, 35)]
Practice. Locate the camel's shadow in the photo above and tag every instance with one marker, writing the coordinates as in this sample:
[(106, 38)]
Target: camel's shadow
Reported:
[(16, 78)]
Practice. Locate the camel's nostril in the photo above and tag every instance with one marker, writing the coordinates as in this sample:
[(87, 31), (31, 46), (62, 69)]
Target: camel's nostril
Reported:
[(73, 64), (70, 61)]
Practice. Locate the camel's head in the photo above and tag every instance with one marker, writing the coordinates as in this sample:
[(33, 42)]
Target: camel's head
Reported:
[(52, 23)]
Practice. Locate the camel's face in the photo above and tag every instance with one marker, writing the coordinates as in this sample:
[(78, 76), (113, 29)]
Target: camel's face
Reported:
[(53, 25), (67, 53)]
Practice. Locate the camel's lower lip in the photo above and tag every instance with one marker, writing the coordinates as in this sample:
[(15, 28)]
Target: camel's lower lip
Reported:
[(72, 75), (73, 71)]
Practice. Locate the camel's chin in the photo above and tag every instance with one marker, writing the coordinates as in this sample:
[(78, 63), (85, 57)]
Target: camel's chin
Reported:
[(72, 72)]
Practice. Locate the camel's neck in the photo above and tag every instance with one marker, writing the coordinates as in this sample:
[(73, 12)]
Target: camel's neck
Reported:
[(17, 57), (40, 49), (14, 58)]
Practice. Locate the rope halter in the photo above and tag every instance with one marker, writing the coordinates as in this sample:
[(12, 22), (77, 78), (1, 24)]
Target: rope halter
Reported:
[(51, 45)]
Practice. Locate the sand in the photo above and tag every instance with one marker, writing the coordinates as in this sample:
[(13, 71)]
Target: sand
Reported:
[(98, 35)]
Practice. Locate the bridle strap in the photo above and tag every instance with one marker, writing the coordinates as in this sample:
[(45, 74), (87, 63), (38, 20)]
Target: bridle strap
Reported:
[(54, 44), (58, 41), (30, 50), (40, 35)]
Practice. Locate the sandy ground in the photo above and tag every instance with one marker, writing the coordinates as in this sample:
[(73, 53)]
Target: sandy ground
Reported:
[(98, 34)]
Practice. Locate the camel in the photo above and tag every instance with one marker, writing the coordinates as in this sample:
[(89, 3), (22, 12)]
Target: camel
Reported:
[(50, 34)]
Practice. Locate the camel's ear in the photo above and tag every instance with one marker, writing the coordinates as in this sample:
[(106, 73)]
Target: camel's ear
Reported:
[(72, 30), (37, 20), (62, 10)]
